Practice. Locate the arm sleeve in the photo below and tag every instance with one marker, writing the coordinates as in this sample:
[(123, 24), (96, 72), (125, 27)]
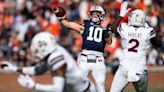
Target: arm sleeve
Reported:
[(35, 70), (41, 68), (57, 86)]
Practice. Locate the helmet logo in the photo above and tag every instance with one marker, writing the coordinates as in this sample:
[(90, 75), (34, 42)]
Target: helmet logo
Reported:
[(137, 18), (42, 43)]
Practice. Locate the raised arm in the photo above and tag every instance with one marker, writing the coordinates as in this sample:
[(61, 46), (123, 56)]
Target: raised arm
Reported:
[(123, 12), (72, 25), (61, 15)]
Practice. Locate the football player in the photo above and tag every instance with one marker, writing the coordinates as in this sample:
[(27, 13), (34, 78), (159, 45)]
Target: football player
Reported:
[(94, 38), (136, 38), (57, 61)]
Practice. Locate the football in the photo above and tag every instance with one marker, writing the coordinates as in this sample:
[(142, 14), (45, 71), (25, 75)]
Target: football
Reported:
[(59, 11)]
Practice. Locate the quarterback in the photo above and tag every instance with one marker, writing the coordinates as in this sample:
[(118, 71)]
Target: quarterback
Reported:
[(94, 37)]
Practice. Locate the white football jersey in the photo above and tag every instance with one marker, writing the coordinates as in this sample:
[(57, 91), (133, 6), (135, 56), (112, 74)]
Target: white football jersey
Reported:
[(135, 43), (73, 76)]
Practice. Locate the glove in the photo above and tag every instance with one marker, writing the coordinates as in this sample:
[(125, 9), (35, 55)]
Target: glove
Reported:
[(124, 9), (8, 67), (26, 81)]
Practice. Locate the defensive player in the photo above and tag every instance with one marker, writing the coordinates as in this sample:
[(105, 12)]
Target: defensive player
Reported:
[(135, 40), (58, 62), (94, 39)]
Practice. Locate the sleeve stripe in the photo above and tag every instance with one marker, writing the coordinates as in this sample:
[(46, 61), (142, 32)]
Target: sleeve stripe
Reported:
[(58, 65), (56, 60), (59, 61), (152, 32)]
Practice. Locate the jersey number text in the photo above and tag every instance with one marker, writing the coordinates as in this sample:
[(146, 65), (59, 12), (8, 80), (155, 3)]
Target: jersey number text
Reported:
[(133, 49), (95, 34)]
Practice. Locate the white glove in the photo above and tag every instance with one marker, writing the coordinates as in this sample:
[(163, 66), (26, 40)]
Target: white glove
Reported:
[(8, 67), (26, 81), (124, 9)]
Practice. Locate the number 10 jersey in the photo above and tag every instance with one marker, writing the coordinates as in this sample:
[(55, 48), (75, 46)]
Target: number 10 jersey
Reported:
[(94, 36)]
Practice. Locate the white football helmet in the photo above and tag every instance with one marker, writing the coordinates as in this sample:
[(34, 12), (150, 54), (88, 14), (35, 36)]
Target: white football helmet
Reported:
[(99, 9), (42, 44), (137, 18)]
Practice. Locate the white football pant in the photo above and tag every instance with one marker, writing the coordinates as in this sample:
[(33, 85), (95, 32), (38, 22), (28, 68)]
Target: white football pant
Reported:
[(120, 81), (91, 61)]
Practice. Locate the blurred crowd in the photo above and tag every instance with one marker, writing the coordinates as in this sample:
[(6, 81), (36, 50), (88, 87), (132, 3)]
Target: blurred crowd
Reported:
[(20, 20)]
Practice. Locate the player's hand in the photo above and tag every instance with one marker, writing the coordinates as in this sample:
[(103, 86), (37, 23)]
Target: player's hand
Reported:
[(8, 67), (60, 13), (26, 81), (124, 10)]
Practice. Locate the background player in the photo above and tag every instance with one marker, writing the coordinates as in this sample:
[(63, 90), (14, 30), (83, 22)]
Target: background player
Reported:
[(57, 61), (135, 40), (94, 39)]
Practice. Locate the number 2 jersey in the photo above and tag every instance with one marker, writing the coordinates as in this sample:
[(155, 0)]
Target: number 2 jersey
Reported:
[(135, 43), (94, 36)]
